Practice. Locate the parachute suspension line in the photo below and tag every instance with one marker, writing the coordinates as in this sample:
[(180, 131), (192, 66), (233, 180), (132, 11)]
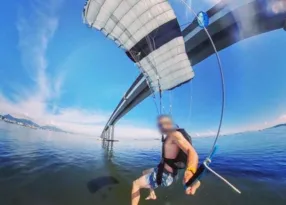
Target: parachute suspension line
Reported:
[(222, 92), (221, 77), (136, 57), (191, 102), (160, 97), (154, 99), (152, 45), (171, 102), (148, 81), (213, 149), (163, 109)]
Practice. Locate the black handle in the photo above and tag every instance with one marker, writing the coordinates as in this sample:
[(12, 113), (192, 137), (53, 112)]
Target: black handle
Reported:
[(198, 173)]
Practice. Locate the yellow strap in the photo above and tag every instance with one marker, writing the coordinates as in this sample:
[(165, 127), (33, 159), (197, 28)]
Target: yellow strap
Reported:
[(192, 169)]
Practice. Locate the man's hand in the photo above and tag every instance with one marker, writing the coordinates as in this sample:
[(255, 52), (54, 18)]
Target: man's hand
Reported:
[(187, 176), (193, 159)]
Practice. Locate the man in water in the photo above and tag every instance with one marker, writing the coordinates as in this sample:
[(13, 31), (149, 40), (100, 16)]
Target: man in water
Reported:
[(174, 142)]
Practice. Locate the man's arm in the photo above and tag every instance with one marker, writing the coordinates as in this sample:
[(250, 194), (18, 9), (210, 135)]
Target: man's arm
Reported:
[(193, 158), (192, 163)]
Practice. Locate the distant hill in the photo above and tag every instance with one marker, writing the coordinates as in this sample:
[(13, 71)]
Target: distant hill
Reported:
[(276, 126), (31, 123), (52, 128), (24, 121)]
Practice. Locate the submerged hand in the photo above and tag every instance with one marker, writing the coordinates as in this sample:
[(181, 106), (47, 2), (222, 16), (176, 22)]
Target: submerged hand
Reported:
[(187, 176), (191, 190)]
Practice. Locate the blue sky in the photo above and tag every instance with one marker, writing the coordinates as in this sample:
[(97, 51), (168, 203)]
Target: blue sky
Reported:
[(57, 71)]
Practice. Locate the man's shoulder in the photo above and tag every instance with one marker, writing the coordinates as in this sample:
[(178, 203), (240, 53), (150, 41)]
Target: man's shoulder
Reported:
[(176, 134)]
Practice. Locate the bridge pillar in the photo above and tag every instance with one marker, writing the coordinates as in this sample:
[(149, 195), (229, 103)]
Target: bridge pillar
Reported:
[(112, 133), (108, 133), (105, 134)]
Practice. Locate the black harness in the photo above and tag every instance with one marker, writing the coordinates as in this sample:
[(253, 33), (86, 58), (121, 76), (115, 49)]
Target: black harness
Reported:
[(176, 163), (162, 164)]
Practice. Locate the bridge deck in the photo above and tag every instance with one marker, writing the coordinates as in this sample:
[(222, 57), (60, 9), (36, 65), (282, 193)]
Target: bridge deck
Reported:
[(226, 28)]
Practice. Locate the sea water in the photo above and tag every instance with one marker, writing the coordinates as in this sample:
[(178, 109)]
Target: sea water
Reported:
[(48, 168)]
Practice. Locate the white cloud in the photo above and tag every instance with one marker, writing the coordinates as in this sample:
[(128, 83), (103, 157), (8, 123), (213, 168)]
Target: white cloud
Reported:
[(282, 119), (36, 29)]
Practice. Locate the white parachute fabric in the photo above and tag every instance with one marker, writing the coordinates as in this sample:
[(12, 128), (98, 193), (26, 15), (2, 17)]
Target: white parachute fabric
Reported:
[(149, 33), (171, 63)]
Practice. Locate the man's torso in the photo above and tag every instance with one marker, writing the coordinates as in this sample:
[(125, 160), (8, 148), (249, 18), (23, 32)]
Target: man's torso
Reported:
[(171, 150)]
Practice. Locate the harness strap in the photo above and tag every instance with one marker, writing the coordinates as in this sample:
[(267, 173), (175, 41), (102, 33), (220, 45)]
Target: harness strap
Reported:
[(171, 163), (160, 173), (161, 165)]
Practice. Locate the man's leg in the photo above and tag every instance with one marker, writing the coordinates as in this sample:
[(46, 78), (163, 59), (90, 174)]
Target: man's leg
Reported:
[(137, 185), (152, 194), (147, 171)]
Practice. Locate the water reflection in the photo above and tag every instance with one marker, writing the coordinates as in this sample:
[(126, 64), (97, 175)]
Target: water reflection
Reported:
[(107, 145)]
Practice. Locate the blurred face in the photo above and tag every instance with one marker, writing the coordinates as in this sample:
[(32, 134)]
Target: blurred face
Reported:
[(165, 124)]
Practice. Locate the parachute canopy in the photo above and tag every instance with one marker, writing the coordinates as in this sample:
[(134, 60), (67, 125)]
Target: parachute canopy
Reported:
[(149, 33)]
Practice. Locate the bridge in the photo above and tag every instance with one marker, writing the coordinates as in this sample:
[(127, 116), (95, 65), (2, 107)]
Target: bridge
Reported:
[(227, 27)]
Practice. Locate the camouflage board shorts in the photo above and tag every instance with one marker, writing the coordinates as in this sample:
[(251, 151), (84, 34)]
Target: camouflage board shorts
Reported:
[(167, 178)]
